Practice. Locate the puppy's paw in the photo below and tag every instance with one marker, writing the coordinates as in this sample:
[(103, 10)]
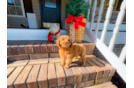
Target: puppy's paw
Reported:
[(61, 64), (82, 64), (66, 67)]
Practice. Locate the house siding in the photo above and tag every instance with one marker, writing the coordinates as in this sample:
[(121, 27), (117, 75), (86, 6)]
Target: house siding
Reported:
[(16, 21), (36, 10), (63, 5)]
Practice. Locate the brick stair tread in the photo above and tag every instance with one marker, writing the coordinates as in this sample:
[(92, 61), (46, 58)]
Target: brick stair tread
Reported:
[(103, 85), (37, 61), (37, 49), (17, 63), (41, 72)]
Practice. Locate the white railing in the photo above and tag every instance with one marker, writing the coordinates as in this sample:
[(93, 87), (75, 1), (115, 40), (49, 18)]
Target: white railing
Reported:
[(108, 16), (118, 23), (99, 17), (107, 52), (93, 14), (112, 19)]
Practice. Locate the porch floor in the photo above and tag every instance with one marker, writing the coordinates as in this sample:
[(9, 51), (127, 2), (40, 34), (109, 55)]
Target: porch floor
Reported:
[(24, 42)]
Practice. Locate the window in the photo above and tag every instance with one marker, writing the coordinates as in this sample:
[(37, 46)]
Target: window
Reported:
[(15, 8), (50, 3)]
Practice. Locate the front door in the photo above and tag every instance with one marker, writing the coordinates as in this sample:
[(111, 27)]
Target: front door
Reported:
[(50, 12)]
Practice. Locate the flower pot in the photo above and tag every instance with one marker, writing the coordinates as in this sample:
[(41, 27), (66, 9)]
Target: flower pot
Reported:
[(79, 34)]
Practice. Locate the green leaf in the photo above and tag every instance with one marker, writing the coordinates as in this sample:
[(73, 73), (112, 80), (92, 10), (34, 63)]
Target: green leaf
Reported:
[(74, 7)]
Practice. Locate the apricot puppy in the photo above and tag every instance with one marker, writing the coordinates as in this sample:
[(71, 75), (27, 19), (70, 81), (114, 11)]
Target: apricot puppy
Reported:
[(69, 51)]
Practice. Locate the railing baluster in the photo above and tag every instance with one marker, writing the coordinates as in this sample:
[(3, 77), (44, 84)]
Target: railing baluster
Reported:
[(108, 16), (118, 23), (123, 54), (90, 2), (99, 16), (93, 14)]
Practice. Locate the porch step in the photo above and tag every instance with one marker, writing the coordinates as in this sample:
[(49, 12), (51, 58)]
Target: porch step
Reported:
[(103, 85), (47, 73), (37, 49)]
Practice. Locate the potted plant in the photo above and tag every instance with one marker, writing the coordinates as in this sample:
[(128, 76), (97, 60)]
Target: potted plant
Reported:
[(76, 14)]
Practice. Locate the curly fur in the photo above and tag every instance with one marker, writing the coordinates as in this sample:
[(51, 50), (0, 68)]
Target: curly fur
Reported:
[(69, 51)]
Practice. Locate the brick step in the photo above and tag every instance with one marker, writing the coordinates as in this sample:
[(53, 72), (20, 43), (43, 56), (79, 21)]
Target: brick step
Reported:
[(103, 85), (47, 73), (24, 50)]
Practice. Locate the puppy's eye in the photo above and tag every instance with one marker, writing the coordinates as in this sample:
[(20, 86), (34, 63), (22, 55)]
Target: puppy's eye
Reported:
[(69, 40), (62, 39)]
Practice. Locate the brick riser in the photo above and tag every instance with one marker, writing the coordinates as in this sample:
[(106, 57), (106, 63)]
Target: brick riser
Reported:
[(23, 50), (103, 85), (47, 73)]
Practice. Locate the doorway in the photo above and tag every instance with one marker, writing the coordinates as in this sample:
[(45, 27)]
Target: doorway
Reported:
[(50, 13)]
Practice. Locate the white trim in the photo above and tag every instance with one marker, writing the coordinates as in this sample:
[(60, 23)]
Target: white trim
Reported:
[(23, 11), (110, 56), (15, 34), (29, 34), (15, 6)]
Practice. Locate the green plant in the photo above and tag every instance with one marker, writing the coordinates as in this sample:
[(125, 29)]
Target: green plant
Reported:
[(75, 7)]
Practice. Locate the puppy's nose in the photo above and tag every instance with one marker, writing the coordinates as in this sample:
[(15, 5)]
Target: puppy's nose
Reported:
[(65, 42)]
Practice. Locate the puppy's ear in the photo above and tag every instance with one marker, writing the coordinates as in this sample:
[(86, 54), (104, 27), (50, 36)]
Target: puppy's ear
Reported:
[(58, 42)]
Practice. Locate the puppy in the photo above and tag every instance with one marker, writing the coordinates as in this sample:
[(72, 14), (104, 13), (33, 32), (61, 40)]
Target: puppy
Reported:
[(69, 51)]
